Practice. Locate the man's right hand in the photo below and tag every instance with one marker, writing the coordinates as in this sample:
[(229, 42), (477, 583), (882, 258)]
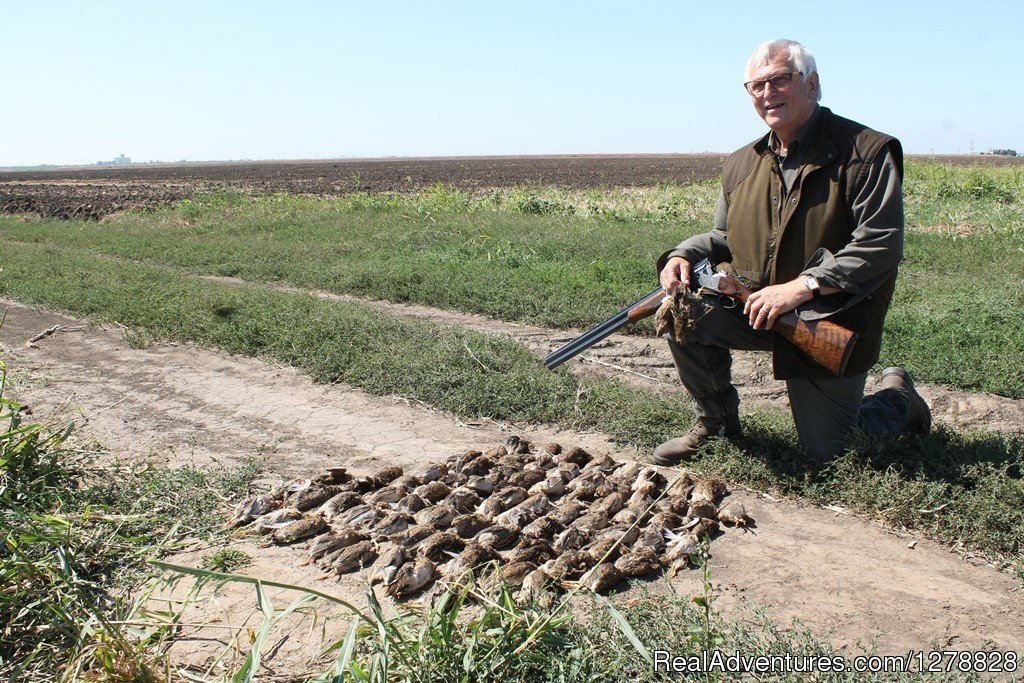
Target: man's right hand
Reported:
[(676, 272)]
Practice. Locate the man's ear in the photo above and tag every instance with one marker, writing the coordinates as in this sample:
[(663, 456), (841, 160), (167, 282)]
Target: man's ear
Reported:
[(812, 81)]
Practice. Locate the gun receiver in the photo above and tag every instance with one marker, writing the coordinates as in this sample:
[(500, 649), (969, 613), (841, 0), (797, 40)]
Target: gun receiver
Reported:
[(828, 344)]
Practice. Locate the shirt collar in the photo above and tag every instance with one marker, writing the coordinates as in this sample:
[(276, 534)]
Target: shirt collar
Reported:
[(806, 135)]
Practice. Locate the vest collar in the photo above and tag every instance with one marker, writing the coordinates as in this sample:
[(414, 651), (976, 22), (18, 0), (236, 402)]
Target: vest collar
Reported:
[(818, 148)]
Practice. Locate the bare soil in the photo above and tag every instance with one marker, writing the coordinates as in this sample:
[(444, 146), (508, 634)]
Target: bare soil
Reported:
[(93, 192), (177, 404)]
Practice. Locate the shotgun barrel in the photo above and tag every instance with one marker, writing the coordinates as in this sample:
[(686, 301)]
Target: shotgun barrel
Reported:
[(641, 308)]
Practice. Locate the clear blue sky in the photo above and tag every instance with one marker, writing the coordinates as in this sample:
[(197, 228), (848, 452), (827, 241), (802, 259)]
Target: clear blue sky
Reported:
[(202, 80)]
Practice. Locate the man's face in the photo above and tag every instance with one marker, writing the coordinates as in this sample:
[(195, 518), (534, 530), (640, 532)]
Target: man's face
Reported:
[(785, 110)]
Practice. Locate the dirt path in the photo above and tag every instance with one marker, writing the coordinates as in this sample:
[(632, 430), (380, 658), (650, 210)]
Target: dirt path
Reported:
[(647, 362), (180, 404)]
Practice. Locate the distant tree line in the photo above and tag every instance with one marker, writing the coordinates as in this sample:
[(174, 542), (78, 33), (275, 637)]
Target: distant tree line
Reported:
[(1004, 152)]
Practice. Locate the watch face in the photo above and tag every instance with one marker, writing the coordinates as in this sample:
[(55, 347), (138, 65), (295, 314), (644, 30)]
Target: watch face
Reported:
[(812, 284)]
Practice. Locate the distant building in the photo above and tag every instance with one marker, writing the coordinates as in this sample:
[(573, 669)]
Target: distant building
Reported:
[(120, 160)]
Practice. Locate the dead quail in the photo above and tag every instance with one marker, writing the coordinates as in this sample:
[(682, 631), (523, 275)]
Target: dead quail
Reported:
[(625, 516), (595, 520), (387, 475), (300, 529), (334, 540), (392, 524), (438, 516), (339, 504), (411, 504), (406, 482), (433, 473), (502, 500), (249, 509), (454, 479), (459, 462), (534, 584), (572, 538), (668, 520), (643, 495), (703, 508), (482, 486), (626, 474), (592, 478), (527, 511), (733, 513), (607, 488), (433, 492), (585, 491), (705, 526), (478, 466), (385, 496), (626, 535), (413, 535), (678, 551), (527, 478), (542, 527), (553, 448), (463, 500), (566, 512), (289, 488), (498, 536), (500, 475), (552, 487), (653, 476), (602, 577), (440, 545), (411, 577), (710, 490), (276, 519), (523, 446), (567, 471), (576, 455), (570, 565), (473, 556), (469, 525), (653, 537), (674, 504), (515, 572), (496, 452), (536, 551), (360, 515), (314, 496), (387, 566), (682, 485), (544, 461), (611, 504), (604, 549), (638, 562), (355, 557), (603, 462)]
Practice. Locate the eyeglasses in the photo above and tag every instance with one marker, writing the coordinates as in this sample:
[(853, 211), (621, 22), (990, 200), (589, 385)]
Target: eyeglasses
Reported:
[(780, 82)]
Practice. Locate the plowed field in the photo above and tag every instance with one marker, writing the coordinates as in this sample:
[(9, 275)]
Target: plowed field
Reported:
[(92, 192)]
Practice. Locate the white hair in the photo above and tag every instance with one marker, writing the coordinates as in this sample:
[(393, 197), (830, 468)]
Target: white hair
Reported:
[(800, 58)]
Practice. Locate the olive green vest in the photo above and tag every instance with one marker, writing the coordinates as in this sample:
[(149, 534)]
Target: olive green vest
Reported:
[(772, 236)]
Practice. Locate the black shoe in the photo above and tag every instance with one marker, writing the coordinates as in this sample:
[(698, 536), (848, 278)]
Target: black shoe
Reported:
[(684, 448), (919, 419)]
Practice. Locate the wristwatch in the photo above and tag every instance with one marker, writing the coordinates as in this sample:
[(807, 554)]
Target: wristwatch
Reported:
[(812, 285)]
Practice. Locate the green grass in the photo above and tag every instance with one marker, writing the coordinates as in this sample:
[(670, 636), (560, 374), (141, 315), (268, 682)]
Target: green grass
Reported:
[(74, 538), (959, 487), (565, 259)]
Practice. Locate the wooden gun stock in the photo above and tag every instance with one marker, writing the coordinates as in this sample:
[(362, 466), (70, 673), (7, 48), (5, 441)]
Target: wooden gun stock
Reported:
[(830, 345), (827, 343)]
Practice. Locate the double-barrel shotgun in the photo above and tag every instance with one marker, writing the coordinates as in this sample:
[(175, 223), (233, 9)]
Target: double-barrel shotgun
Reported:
[(830, 345)]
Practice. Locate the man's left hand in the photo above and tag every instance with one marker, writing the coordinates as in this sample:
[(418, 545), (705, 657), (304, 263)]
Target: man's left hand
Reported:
[(764, 306)]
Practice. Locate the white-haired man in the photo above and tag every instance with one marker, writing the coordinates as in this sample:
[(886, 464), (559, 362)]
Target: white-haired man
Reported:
[(811, 215)]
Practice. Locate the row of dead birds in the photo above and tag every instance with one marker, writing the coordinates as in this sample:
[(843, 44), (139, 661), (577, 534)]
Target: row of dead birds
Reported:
[(534, 519)]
